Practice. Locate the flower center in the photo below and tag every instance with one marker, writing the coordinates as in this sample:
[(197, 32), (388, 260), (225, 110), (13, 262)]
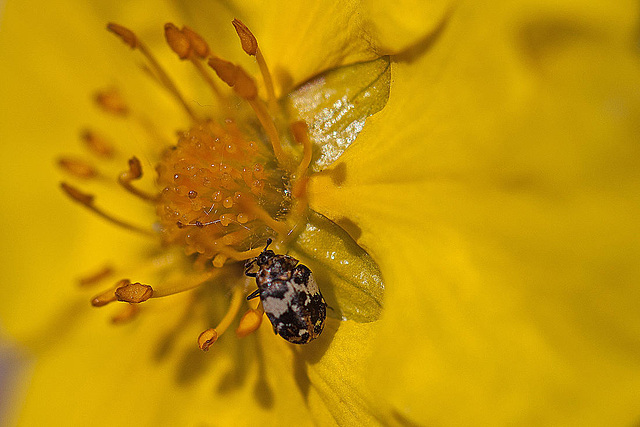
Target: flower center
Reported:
[(225, 187), (221, 191)]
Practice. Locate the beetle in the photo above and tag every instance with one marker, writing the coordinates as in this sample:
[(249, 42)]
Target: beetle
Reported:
[(290, 296)]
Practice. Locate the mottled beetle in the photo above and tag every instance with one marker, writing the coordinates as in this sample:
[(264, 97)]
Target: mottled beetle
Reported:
[(290, 296)]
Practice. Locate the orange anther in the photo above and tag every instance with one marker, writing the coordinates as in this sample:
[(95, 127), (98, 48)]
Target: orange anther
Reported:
[(125, 34), (249, 323), (135, 168), (134, 293), (247, 39), (199, 46), (108, 296), (127, 314), (224, 69), (97, 144), (219, 260), (77, 195), (78, 168), (112, 102), (300, 131), (177, 41), (103, 299), (245, 87), (207, 339), (87, 201), (96, 277)]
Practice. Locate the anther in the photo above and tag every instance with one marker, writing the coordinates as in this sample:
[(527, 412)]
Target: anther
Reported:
[(108, 296), (127, 36), (126, 314), (135, 168), (250, 322), (87, 201), (225, 70), (77, 195), (207, 338), (219, 260), (211, 335), (244, 86), (177, 41), (110, 101), (134, 173), (250, 46), (247, 39), (78, 168), (103, 299), (235, 77), (97, 144), (96, 277), (134, 293), (188, 44), (198, 45)]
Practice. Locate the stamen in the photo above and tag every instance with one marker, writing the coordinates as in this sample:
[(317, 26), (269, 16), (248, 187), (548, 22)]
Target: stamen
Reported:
[(244, 86), (171, 287), (96, 277), (247, 39), (78, 168), (187, 44), (98, 145), (301, 135), (87, 201), (225, 70), (211, 335), (127, 314), (108, 296), (198, 45), (134, 293), (125, 34), (299, 189), (219, 260), (177, 41), (270, 127), (250, 46), (110, 101), (254, 209), (239, 80), (240, 256), (135, 172), (129, 38), (207, 338), (103, 299), (207, 78), (250, 322)]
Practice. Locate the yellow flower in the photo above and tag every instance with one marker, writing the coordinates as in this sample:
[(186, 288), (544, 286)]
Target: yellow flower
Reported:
[(498, 191)]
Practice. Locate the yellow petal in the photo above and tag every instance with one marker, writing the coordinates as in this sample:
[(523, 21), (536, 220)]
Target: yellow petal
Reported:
[(88, 370), (334, 377), (498, 192), (396, 26)]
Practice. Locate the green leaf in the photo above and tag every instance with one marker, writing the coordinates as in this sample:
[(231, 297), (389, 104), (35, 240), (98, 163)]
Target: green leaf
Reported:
[(349, 279), (336, 104)]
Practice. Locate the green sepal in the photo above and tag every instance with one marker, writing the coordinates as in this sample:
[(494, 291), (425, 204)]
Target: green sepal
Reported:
[(335, 105), (349, 279)]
